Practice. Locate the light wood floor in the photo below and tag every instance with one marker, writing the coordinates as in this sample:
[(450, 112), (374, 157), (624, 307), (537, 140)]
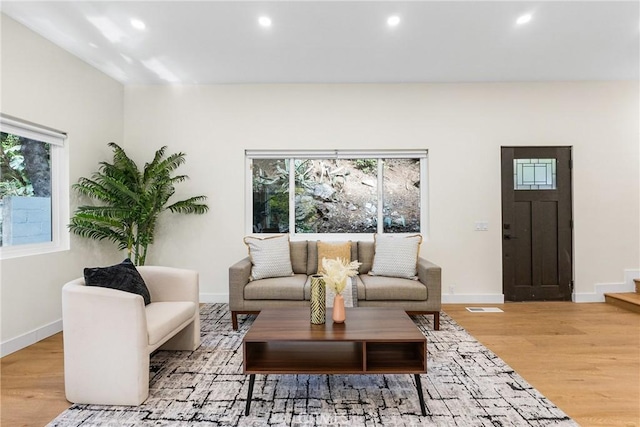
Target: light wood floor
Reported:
[(584, 357)]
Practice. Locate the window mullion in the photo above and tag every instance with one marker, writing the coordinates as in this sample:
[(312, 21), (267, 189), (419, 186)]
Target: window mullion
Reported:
[(380, 193), (292, 196)]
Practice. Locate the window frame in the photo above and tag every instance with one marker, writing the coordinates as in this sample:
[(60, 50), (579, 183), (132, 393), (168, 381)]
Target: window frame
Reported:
[(290, 155), (59, 156)]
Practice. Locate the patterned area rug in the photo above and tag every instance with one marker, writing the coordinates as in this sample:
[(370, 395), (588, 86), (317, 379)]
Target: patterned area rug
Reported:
[(466, 385)]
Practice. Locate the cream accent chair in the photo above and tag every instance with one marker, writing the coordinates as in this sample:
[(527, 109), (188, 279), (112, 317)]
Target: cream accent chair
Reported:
[(109, 334)]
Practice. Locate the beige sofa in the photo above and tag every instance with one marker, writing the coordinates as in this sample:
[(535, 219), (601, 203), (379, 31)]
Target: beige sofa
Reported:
[(109, 334), (422, 296)]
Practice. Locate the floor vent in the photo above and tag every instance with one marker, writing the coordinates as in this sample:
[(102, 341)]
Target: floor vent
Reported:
[(484, 309)]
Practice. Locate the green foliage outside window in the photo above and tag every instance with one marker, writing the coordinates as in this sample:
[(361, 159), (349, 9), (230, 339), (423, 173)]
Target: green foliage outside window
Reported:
[(366, 165), (15, 179)]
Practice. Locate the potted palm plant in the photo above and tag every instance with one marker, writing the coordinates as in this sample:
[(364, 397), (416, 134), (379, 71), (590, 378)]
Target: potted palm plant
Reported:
[(130, 200)]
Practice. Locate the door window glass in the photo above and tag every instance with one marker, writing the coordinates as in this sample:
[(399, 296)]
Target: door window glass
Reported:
[(534, 174)]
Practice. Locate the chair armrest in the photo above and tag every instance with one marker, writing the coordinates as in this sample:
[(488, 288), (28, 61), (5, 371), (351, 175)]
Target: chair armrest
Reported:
[(238, 277), (101, 321), (85, 308), (430, 275), (171, 284)]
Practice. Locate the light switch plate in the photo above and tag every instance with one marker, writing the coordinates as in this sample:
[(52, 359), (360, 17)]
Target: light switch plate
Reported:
[(481, 226)]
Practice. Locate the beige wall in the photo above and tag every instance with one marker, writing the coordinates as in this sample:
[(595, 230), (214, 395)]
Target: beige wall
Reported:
[(462, 125), (44, 84)]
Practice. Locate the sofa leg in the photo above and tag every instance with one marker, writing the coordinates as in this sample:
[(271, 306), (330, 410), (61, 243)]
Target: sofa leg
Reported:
[(234, 320), (436, 321)]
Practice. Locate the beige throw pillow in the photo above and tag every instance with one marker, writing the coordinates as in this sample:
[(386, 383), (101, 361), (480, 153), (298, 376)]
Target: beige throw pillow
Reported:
[(270, 256), (333, 250), (396, 256)]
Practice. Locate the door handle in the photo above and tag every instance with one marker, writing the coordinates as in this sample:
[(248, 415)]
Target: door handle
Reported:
[(509, 237)]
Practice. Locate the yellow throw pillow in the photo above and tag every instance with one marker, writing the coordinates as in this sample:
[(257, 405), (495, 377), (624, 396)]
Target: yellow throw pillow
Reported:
[(333, 250)]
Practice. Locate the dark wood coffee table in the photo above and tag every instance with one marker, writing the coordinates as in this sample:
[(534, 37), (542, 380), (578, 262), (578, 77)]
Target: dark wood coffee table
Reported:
[(371, 341)]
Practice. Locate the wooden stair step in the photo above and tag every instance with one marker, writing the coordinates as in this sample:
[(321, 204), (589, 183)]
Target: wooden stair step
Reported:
[(626, 300), (637, 282)]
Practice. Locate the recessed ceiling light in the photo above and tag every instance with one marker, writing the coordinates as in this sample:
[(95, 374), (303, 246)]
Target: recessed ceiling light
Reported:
[(138, 24), (393, 21), (524, 19), (264, 21)]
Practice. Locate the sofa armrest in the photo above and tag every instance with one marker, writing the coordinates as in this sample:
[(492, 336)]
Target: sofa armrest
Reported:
[(430, 275), (171, 284), (238, 277)]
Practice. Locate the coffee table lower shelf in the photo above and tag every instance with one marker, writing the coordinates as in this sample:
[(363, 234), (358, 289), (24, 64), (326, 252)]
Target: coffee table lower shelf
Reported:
[(335, 357)]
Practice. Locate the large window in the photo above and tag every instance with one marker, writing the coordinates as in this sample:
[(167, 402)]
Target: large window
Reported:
[(34, 189), (338, 192)]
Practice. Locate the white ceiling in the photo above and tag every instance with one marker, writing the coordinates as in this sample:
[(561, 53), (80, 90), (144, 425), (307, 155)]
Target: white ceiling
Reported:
[(343, 41)]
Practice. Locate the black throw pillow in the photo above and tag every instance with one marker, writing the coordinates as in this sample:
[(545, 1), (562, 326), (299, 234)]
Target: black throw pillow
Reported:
[(123, 277)]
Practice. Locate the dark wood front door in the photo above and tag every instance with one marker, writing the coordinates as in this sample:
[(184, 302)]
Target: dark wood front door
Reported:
[(536, 223)]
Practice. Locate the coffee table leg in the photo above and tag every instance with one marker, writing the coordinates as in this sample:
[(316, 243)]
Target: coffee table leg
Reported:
[(420, 395), (252, 378)]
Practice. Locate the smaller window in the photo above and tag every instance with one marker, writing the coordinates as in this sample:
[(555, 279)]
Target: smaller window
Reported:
[(34, 195), (534, 174)]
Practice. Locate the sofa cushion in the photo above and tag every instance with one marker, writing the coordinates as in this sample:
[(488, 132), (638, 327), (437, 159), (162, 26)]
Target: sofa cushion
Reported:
[(299, 256), (380, 288), (270, 257), (165, 317), (123, 277), (366, 251), (351, 293), (361, 291), (396, 256), (281, 288), (333, 250)]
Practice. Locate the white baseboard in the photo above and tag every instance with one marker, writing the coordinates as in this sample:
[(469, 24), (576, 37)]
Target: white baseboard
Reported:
[(473, 299), (602, 288), (214, 298), (25, 340)]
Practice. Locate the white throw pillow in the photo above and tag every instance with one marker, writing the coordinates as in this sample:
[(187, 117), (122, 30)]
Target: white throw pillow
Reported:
[(270, 256), (396, 256)]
